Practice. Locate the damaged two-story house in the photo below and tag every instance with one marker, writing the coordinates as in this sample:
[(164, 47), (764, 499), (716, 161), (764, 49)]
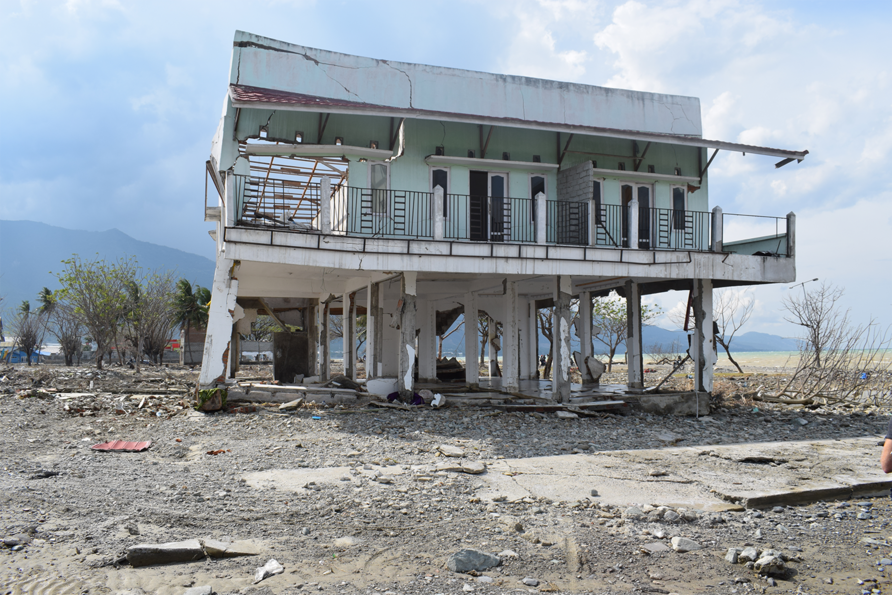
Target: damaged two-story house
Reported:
[(403, 191)]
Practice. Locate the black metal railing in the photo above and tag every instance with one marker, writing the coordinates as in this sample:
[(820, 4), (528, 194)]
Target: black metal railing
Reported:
[(366, 212), (489, 218), (285, 203), (381, 213), (661, 229)]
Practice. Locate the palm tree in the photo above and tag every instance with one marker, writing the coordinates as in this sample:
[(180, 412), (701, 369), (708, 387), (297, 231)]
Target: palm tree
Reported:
[(191, 308), (47, 301)]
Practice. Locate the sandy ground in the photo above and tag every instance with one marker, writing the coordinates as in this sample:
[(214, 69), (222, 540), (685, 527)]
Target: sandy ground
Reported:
[(366, 508)]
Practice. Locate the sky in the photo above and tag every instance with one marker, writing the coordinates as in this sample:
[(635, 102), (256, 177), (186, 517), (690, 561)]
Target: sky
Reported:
[(108, 107)]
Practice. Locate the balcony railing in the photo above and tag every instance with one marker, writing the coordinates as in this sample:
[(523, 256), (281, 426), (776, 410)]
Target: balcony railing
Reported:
[(365, 212)]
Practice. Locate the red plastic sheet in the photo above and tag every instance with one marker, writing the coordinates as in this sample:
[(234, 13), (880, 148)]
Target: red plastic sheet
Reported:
[(121, 445)]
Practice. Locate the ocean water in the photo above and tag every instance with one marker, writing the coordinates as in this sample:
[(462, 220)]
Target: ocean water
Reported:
[(776, 359)]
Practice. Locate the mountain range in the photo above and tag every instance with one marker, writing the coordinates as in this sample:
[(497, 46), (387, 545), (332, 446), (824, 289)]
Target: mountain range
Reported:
[(31, 255)]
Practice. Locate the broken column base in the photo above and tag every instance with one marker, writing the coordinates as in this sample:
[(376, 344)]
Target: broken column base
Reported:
[(693, 403)]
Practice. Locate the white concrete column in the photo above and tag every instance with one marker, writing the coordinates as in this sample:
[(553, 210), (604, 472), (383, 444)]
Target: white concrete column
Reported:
[(703, 341), (320, 312), (439, 220), (561, 367), (325, 205), (371, 331), (592, 226), (633, 336), (471, 344), (492, 353), (510, 349), (348, 326), (791, 234), (427, 341), (584, 331), (717, 230), (525, 370), (541, 219), (215, 361), (407, 313), (380, 332), (325, 335), (634, 212), (230, 207)]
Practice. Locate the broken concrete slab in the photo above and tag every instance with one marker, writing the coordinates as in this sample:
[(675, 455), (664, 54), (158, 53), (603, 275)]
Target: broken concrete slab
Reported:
[(269, 569), (147, 554), (203, 590), (291, 405), (222, 549), (470, 467), (447, 450), (469, 559)]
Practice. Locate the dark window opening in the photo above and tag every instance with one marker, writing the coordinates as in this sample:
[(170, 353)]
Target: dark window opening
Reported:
[(471, 153), (440, 150), (537, 158), (373, 144), (651, 169), (506, 156), (339, 140), (440, 177), (537, 185), (678, 208), (594, 164), (596, 197), (622, 166), (298, 137), (677, 171)]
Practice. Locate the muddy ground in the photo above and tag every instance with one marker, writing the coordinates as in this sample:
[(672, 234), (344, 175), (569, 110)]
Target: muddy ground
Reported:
[(386, 520)]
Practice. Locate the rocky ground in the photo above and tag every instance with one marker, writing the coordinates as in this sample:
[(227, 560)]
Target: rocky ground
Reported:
[(389, 517)]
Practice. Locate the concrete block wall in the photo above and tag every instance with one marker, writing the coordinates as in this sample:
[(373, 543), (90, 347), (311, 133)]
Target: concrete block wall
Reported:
[(575, 183)]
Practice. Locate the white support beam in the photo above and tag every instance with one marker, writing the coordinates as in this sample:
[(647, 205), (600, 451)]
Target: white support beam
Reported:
[(510, 350), (633, 336), (703, 347), (427, 341), (471, 344), (407, 342), (217, 342)]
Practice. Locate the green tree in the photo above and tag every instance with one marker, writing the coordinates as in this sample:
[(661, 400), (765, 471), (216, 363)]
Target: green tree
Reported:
[(609, 313), (191, 307), (97, 292)]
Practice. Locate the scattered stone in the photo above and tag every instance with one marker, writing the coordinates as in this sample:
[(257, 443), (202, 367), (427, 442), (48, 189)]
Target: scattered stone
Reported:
[(269, 569), (146, 554), (205, 590), (769, 565), (484, 579), (467, 588), (777, 509), (771, 582), (530, 582), (683, 544), (594, 493), (448, 450), (670, 516), (508, 555), (633, 513), (565, 415), (885, 562), (733, 555), (863, 516), (657, 473), (749, 554), (470, 559)]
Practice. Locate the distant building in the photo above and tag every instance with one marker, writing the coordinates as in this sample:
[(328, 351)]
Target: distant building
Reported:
[(404, 191)]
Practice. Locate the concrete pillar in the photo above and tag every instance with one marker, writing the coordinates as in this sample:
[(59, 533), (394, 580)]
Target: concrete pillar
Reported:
[(592, 222), (561, 372), (717, 230), (541, 219), (215, 360), (427, 341), (703, 340), (510, 350), (371, 332), (310, 325), (348, 326), (534, 340), (633, 335), (525, 369), (471, 344), (585, 324), (634, 212), (439, 220), (325, 205), (492, 354), (325, 336), (235, 352), (791, 234), (407, 313)]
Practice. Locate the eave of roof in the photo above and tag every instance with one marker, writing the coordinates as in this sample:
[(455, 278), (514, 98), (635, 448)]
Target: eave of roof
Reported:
[(244, 96)]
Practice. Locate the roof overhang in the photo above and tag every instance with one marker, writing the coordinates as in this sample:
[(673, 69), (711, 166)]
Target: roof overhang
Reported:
[(243, 96)]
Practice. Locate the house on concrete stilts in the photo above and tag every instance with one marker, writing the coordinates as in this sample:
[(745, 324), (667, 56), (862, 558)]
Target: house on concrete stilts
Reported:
[(402, 191)]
